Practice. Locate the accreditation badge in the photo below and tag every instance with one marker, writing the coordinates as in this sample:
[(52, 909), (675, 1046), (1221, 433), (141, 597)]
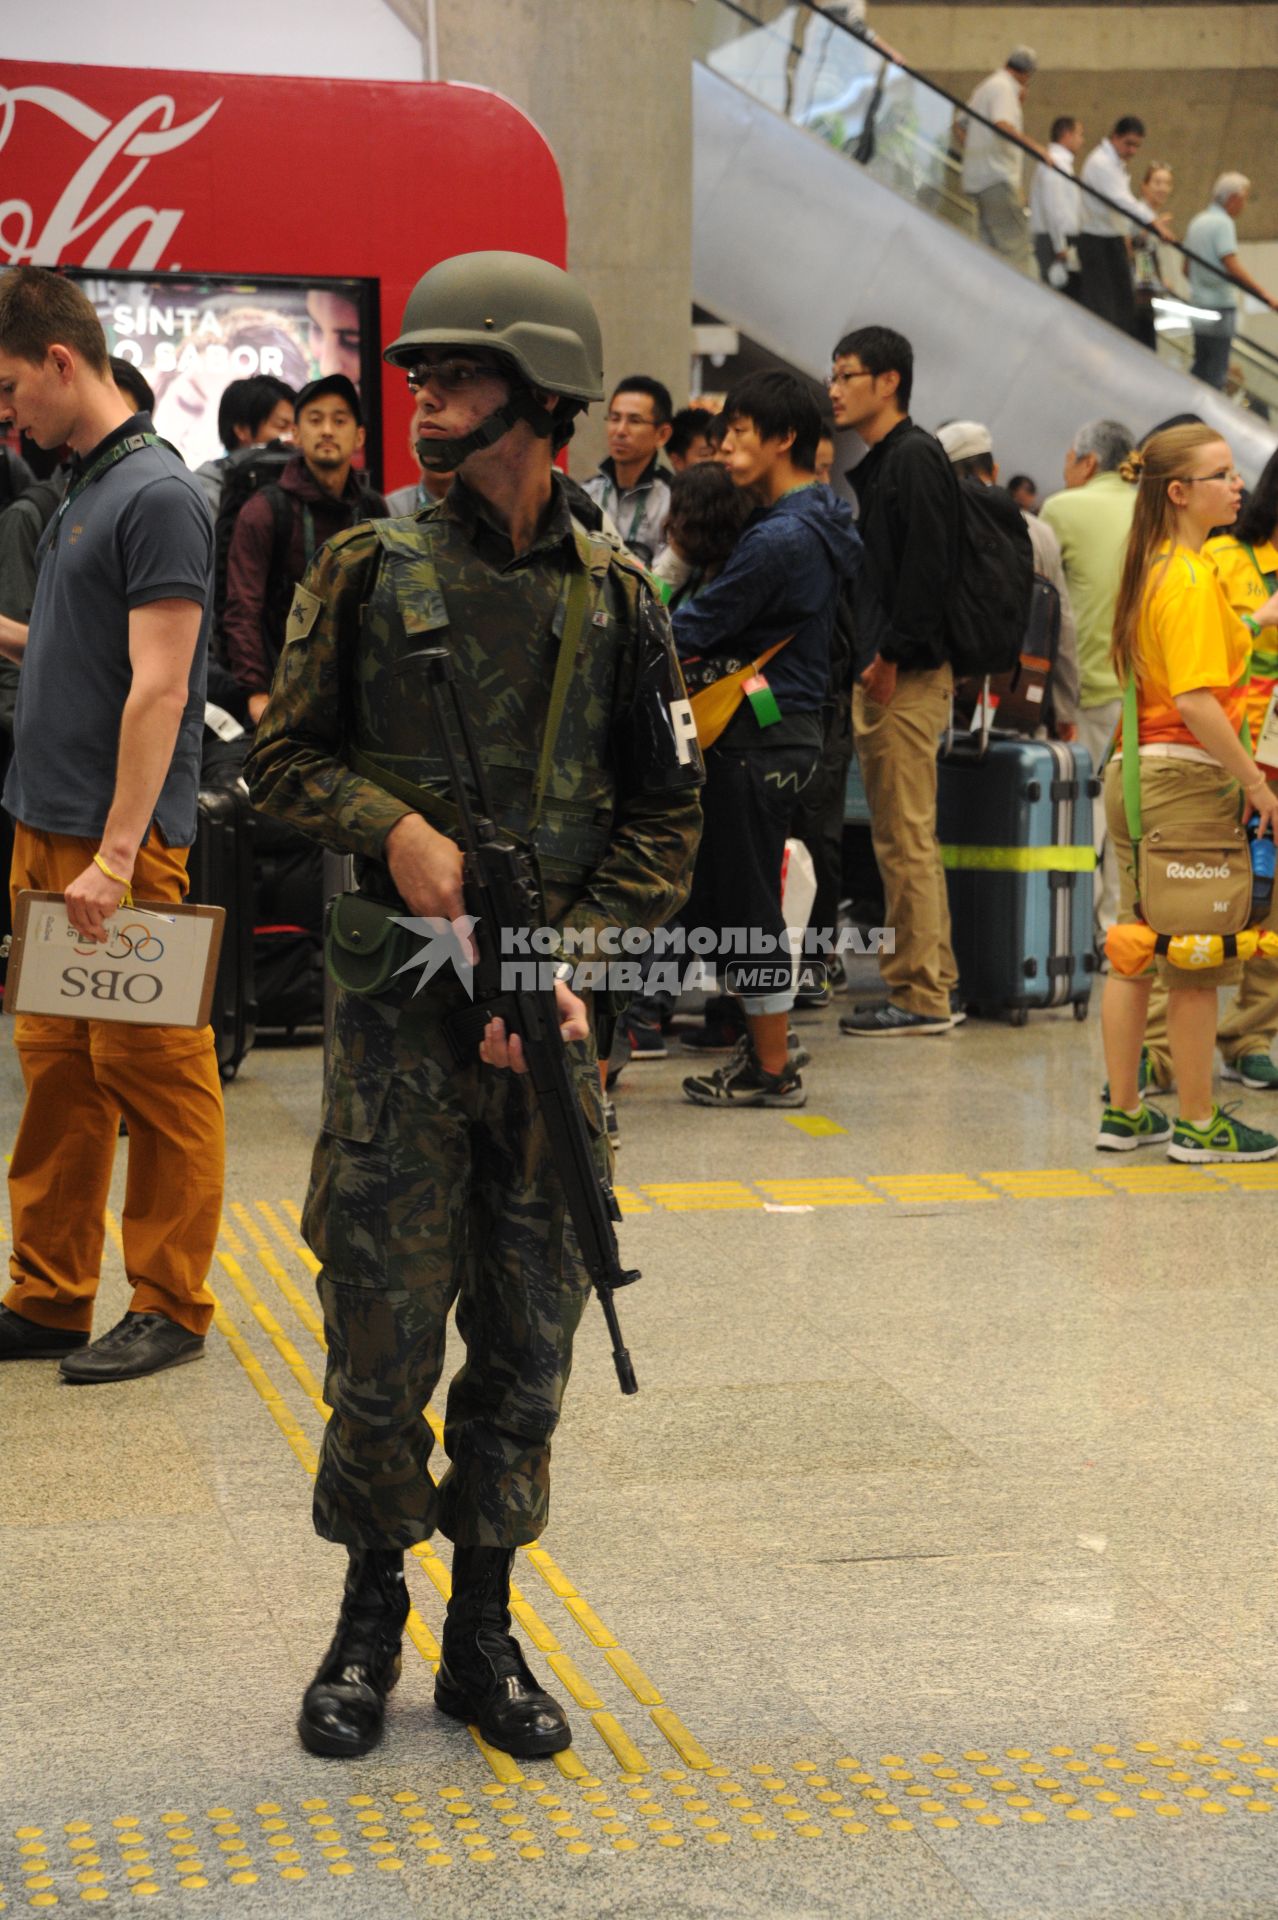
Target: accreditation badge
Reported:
[(1266, 751)]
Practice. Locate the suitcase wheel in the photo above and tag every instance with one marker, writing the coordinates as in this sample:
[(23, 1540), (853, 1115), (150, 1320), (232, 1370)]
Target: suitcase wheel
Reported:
[(1081, 1009), (1019, 1016)]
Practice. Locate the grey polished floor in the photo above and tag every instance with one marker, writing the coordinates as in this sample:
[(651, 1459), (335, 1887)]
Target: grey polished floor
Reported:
[(931, 1573)]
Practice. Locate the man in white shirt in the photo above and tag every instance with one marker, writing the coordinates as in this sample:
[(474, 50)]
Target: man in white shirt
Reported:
[(993, 155), (1055, 212), (1102, 239), (1213, 237)]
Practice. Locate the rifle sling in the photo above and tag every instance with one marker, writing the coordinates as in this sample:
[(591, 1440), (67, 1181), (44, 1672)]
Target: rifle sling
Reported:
[(579, 596)]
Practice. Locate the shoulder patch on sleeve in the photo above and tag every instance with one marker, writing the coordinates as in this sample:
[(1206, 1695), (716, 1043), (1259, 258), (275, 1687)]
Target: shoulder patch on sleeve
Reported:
[(302, 615)]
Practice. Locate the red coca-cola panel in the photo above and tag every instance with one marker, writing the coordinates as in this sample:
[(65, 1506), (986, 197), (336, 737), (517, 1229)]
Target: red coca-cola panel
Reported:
[(114, 167)]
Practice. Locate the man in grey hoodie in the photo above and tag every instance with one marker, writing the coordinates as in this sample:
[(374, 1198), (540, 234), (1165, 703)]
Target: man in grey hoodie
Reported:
[(777, 591)]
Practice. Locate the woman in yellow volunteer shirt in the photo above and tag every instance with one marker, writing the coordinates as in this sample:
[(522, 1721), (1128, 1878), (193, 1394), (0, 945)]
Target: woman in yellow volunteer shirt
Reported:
[(1247, 561), (1176, 633)]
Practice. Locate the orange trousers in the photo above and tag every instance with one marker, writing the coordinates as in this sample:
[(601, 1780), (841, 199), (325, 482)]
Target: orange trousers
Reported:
[(80, 1076)]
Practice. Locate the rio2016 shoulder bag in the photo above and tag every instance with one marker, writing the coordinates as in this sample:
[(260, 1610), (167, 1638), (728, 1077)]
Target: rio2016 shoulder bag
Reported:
[(1189, 880)]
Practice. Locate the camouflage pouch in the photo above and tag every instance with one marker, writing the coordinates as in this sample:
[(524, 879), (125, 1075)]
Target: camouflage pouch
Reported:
[(363, 946)]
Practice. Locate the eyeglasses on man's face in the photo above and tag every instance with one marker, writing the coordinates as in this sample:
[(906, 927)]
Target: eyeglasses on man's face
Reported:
[(453, 375), (845, 379)]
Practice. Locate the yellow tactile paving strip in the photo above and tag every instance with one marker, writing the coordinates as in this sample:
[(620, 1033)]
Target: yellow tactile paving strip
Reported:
[(533, 1817), (943, 1189), (611, 1789)]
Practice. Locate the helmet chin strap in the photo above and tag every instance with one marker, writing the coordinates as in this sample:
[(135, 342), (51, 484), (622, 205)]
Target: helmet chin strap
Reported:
[(445, 456)]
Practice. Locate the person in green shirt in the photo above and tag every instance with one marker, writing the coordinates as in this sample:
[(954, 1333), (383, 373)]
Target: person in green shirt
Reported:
[(1092, 518)]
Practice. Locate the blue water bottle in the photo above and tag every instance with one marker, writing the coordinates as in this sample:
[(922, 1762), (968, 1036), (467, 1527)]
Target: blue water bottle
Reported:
[(1262, 875)]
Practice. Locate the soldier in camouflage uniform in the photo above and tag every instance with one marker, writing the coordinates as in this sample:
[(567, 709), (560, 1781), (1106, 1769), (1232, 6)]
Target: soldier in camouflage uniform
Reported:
[(432, 1183)]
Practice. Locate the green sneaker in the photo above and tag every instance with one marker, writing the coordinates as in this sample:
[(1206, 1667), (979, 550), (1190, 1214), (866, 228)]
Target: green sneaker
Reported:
[(1255, 1070), (1223, 1138), (1123, 1132), (1145, 1081)]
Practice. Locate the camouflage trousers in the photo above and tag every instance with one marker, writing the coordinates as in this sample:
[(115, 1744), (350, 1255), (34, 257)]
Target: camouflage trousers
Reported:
[(433, 1185)]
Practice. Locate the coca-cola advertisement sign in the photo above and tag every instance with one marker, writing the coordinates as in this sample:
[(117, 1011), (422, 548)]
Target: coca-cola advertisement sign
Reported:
[(186, 173), (190, 337)]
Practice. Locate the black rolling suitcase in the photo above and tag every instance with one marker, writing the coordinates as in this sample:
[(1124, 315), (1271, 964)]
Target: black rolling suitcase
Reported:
[(288, 943), (221, 871)]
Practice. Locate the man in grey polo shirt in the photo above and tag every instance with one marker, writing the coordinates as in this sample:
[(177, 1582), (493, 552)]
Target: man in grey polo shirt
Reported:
[(102, 789), (993, 156), (1213, 237)]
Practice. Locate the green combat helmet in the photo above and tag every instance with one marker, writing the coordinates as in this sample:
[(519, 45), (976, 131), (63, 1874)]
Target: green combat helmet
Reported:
[(531, 314)]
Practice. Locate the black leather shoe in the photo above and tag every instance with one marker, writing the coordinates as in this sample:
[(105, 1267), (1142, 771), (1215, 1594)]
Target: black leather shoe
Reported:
[(483, 1675), (23, 1339), (140, 1343), (344, 1708)]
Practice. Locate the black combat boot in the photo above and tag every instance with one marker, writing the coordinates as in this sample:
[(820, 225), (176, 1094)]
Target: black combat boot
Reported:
[(483, 1676), (345, 1705)]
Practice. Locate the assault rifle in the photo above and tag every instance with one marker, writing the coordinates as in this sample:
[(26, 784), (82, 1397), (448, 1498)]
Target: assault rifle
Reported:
[(501, 892)]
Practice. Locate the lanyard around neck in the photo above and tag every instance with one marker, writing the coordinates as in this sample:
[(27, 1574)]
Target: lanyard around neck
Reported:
[(113, 455)]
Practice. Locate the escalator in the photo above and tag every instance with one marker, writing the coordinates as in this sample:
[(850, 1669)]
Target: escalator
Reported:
[(826, 196)]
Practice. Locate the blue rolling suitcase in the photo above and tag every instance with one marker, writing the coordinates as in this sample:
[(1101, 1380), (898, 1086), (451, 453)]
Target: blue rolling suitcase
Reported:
[(1014, 818)]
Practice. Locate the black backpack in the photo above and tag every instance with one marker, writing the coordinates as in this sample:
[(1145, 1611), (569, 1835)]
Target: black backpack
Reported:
[(988, 608), (241, 480)]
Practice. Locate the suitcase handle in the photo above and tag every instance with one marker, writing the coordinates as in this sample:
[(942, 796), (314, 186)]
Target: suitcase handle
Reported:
[(975, 747)]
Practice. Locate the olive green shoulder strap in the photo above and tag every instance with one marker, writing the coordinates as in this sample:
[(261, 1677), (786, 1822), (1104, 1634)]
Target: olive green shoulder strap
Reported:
[(579, 603)]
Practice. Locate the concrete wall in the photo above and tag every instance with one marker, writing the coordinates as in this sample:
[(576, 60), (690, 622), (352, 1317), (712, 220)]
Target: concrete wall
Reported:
[(1203, 77), (609, 87)]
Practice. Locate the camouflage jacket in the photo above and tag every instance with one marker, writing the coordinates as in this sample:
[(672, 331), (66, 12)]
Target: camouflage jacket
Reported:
[(337, 693)]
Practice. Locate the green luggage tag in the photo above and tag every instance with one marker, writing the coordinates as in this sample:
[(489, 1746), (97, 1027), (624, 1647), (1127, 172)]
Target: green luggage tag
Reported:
[(762, 700)]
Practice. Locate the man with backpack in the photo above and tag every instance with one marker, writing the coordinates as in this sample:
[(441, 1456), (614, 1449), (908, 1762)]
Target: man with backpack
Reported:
[(252, 413), (1053, 636), (911, 522), (279, 528)]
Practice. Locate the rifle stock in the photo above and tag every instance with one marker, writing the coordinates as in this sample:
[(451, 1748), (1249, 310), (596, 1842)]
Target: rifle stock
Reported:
[(500, 893)]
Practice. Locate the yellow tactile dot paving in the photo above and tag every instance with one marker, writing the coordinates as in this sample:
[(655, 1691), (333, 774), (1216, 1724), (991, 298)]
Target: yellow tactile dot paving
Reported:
[(815, 1124)]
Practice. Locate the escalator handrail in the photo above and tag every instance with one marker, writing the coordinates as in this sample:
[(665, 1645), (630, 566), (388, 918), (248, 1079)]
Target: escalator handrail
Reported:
[(868, 39)]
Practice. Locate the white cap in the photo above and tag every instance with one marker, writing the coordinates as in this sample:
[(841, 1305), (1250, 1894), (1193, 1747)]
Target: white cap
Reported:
[(962, 439)]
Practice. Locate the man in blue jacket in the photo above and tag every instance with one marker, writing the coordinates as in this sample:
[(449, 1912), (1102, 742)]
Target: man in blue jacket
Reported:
[(778, 591)]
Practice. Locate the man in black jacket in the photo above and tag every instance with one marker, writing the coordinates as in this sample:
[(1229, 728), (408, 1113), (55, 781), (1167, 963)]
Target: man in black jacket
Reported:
[(910, 524)]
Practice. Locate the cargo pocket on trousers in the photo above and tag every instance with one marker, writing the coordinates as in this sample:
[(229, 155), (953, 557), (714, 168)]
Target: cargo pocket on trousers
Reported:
[(345, 1217)]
